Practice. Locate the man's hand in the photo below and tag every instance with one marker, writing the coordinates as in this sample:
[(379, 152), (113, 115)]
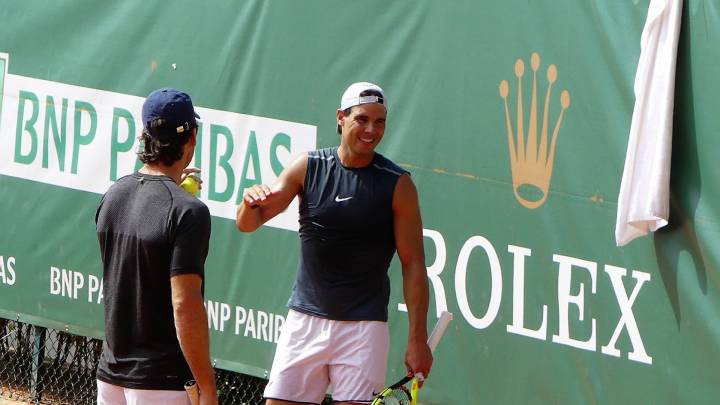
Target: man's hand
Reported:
[(259, 205), (257, 195), (191, 172), (418, 358)]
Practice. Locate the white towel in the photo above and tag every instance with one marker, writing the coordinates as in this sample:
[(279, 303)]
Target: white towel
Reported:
[(643, 203)]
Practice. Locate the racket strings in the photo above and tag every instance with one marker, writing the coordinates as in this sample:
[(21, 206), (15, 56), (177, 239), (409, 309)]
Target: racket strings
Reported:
[(397, 396)]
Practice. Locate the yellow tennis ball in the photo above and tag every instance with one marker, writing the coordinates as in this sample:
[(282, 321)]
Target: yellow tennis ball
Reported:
[(190, 185)]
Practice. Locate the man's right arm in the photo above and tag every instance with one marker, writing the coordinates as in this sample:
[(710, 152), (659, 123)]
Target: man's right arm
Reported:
[(260, 203), (192, 331)]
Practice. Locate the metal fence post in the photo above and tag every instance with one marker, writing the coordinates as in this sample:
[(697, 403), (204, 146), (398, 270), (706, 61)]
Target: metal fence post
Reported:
[(38, 358)]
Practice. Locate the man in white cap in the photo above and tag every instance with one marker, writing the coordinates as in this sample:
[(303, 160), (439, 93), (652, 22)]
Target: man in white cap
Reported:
[(356, 209)]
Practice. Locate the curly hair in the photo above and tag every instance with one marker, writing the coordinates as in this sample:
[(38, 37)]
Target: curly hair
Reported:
[(162, 144)]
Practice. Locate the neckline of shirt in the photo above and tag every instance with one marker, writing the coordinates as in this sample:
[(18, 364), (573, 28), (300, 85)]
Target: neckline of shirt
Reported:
[(369, 165)]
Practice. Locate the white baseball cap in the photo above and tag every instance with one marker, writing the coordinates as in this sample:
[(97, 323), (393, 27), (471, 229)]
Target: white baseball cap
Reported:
[(352, 97)]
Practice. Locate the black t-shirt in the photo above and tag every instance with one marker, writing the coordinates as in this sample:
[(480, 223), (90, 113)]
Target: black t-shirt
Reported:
[(149, 230)]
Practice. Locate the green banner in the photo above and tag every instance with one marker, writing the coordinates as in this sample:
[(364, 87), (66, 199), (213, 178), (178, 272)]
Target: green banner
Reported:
[(513, 118)]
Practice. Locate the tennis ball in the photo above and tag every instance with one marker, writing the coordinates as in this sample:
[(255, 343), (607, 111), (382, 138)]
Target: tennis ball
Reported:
[(190, 185)]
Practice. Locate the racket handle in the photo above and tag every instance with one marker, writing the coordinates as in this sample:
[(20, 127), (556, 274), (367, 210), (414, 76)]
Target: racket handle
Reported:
[(439, 329), (414, 391)]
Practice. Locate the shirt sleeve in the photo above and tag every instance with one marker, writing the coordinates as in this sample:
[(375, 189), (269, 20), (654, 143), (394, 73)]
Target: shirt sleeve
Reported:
[(191, 241)]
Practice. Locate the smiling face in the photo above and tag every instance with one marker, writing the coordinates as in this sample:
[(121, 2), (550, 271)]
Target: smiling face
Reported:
[(361, 131)]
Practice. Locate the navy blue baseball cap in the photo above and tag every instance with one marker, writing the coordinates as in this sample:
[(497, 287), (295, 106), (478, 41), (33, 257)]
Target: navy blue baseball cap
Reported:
[(171, 105)]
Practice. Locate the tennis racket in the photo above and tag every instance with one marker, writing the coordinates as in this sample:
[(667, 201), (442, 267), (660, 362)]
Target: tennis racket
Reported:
[(398, 394)]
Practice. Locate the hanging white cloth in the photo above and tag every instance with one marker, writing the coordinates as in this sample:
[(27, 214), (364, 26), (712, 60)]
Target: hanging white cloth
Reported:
[(643, 203)]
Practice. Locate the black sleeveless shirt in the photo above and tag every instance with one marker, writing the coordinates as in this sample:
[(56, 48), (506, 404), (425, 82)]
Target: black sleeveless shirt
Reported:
[(347, 238)]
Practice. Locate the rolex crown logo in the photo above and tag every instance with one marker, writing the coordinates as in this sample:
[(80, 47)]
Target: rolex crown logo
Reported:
[(532, 164)]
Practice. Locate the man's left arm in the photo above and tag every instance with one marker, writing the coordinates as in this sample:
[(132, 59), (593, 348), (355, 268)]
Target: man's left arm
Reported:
[(409, 243)]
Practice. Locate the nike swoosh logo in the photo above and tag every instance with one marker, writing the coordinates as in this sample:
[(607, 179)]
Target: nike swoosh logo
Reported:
[(338, 199)]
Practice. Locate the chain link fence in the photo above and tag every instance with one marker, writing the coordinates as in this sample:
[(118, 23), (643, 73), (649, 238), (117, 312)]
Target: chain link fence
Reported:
[(48, 366)]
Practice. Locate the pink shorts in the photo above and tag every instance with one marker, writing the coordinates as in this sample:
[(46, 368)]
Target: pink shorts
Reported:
[(109, 394), (314, 353)]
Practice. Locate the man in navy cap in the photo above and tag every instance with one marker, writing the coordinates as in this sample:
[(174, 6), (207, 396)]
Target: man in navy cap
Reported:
[(154, 239)]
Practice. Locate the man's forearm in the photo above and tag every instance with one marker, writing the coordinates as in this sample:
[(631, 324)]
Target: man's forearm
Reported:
[(192, 331), (415, 289)]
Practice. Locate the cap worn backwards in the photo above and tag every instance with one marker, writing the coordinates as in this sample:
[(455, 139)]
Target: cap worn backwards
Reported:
[(352, 96), (171, 105)]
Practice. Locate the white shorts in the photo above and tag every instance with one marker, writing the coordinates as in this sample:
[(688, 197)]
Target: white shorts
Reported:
[(314, 353), (109, 394)]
